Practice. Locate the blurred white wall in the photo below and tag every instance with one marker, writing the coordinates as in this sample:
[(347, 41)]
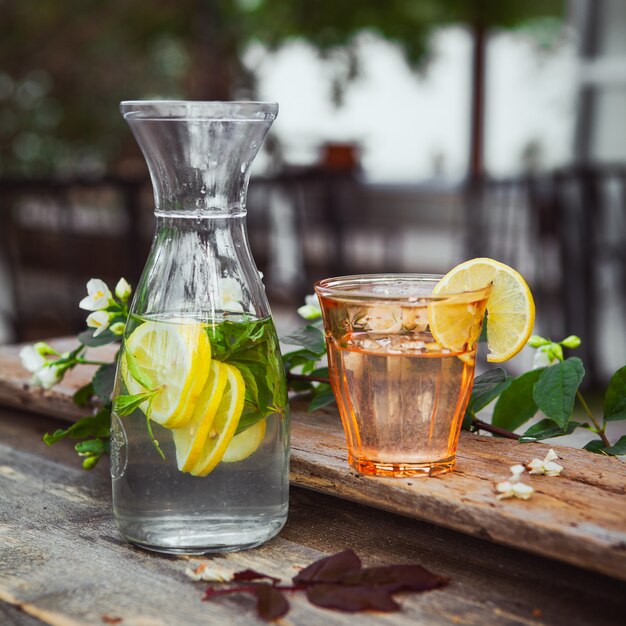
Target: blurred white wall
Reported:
[(414, 125)]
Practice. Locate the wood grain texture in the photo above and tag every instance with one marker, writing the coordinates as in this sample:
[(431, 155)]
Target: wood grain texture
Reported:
[(578, 517), (62, 562)]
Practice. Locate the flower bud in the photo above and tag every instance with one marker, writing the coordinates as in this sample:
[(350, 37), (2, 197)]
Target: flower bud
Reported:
[(123, 289), (536, 341), (555, 352), (42, 348), (118, 328), (571, 342)]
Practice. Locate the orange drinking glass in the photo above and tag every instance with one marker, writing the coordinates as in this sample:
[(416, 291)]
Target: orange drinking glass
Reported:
[(401, 363)]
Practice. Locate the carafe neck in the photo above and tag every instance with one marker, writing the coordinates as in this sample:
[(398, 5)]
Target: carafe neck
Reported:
[(199, 153)]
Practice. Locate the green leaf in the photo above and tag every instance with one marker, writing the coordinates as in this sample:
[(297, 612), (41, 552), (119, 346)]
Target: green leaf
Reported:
[(487, 387), (310, 337), (82, 395), (555, 391), (103, 382), (97, 425), (136, 372), (299, 357), (546, 429), (91, 447), (126, 404), (322, 396), (595, 445), (615, 398), (252, 389), (516, 404), (250, 419), (87, 338), (617, 448)]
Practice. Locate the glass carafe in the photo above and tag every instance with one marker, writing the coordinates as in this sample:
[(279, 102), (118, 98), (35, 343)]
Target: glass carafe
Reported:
[(200, 438)]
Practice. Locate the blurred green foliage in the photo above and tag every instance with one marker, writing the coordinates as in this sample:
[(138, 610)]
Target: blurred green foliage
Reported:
[(66, 64)]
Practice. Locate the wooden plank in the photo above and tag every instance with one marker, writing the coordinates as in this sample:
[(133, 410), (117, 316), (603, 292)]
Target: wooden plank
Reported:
[(62, 562), (579, 517)]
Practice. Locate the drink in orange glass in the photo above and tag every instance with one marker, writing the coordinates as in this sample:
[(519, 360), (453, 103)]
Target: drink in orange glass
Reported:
[(401, 363)]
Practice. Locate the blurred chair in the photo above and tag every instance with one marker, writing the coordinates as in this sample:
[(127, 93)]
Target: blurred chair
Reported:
[(58, 234), (566, 233)]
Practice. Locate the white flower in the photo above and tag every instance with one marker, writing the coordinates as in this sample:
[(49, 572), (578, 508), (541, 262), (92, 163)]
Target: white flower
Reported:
[(311, 310), (231, 294), (99, 296), (123, 289), (32, 359), (98, 320), (547, 466), (542, 358), (507, 489), (48, 376), (513, 488), (202, 572)]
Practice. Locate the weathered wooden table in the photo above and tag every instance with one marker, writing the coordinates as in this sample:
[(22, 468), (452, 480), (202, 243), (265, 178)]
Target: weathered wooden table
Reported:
[(63, 563)]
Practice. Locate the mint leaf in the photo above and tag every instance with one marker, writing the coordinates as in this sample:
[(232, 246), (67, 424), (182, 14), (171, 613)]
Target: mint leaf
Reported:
[(249, 417), (546, 429), (615, 398), (103, 381), (136, 372), (126, 404), (617, 448), (516, 404), (556, 389)]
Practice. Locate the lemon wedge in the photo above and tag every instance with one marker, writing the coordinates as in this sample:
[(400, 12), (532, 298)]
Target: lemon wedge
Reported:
[(189, 440), (224, 423), (171, 357), (510, 308), (245, 443)]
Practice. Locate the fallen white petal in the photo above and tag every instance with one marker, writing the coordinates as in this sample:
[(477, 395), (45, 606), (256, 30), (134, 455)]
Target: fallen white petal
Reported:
[(536, 467), (551, 456), (552, 468), (522, 491), (516, 471)]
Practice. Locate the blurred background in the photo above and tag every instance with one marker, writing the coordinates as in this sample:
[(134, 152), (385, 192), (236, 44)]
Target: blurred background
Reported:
[(412, 134)]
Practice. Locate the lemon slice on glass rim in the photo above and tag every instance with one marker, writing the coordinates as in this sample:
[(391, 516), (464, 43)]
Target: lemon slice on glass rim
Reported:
[(170, 357), (510, 307)]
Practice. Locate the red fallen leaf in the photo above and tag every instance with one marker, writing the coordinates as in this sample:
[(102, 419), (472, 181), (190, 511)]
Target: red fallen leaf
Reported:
[(111, 619), (271, 602), (394, 578), (329, 569), (351, 599), (247, 575)]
